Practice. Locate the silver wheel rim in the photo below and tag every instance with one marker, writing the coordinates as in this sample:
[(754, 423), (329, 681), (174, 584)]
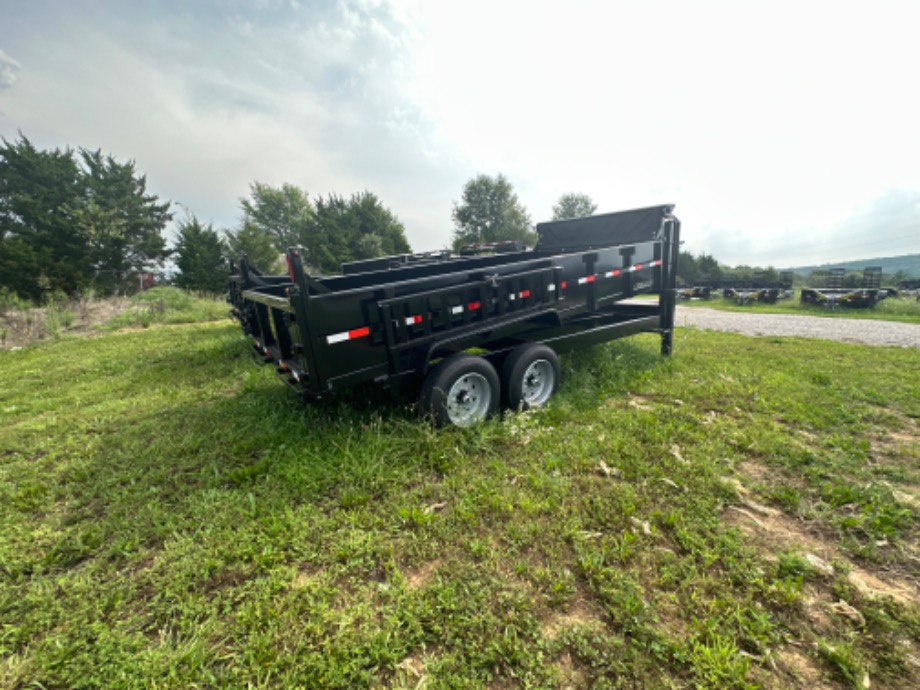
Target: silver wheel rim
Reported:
[(538, 382), (469, 399)]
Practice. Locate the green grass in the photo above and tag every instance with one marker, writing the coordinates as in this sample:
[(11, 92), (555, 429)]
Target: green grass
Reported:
[(172, 516), (169, 305), (905, 309)]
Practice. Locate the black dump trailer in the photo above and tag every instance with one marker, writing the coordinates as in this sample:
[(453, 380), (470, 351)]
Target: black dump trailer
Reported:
[(410, 323)]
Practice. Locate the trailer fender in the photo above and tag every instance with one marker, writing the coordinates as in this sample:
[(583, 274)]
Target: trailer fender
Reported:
[(529, 376)]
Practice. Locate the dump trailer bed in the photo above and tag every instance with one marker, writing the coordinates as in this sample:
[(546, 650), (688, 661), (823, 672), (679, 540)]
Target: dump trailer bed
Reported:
[(392, 326)]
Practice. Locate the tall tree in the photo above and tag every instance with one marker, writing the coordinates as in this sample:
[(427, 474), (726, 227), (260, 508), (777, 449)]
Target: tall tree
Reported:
[(350, 229), (256, 244), (121, 223), (67, 221), (331, 231), (573, 205), (709, 269), (489, 212), (688, 270), (39, 247), (282, 213), (199, 257)]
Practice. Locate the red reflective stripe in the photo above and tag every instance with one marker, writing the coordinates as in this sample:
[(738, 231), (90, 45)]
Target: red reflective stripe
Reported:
[(638, 267), (413, 320), (563, 285), (589, 279), (524, 294), (359, 332), (473, 306)]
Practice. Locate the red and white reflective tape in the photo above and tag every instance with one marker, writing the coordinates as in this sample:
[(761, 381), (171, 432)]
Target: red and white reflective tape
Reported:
[(618, 271), (353, 334), (459, 309), (473, 306)]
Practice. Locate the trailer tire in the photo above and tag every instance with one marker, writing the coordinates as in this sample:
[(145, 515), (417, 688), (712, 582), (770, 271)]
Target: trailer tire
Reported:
[(460, 390), (530, 376)]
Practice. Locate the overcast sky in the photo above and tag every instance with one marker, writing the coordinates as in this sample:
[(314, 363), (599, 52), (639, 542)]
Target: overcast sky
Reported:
[(786, 133)]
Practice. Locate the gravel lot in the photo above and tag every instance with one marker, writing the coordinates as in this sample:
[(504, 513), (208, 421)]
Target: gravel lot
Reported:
[(867, 331)]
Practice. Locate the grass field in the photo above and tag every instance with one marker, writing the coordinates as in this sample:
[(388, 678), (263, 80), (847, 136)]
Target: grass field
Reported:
[(906, 309), (744, 514)]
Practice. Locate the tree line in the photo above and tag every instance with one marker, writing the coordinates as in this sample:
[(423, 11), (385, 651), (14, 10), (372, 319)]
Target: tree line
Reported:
[(73, 220)]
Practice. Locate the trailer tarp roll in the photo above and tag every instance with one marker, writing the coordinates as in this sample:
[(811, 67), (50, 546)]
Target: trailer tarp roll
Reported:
[(604, 230)]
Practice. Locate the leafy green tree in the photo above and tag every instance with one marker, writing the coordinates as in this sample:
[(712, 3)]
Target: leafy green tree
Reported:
[(490, 212), (256, 244), (350, 229), (284, 214), (199, 257), (331, 230), (574, 205), (709, 269), (39, 246), (67, 220), (121, 223), (688, 271)]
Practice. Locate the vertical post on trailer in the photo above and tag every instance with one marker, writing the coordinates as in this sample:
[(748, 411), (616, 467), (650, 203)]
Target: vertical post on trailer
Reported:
[(299, 297), (667, 299)]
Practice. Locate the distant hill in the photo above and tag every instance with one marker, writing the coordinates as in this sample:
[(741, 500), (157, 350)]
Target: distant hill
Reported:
[(909, 263)]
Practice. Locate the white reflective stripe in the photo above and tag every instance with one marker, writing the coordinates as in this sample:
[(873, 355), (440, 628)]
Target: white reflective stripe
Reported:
[(337, 338), (412, 320), (551, 287), (582, 281), (512, 296), (456, 310)]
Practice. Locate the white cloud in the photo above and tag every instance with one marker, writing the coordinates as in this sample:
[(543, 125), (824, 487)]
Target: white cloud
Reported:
[(764, 124), (8, 69)]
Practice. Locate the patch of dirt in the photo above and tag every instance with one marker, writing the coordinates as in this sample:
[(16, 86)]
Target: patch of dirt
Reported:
[(222, 579), (304, 576), (420, 576), (817, 606), (758, 471), (569, 675), (773, 531), (797, 669), (577, 615), (641, 402), (19, 328)]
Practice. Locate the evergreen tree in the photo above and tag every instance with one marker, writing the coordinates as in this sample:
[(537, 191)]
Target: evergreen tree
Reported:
[(199, 257), (256, 244), (67, 221)]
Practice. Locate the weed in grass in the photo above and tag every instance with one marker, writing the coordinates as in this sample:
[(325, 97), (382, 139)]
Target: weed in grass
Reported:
[(842, 658)]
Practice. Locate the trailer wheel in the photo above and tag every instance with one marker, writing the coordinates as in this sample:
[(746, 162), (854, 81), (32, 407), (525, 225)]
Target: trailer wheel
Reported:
[(461, 390), (530, 376)]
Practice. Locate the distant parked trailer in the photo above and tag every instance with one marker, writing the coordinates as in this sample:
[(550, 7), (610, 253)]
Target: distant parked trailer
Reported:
[(834, 294), (759, 289), (696, 292)]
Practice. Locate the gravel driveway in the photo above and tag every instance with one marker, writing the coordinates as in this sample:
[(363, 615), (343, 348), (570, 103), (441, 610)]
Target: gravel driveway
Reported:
[(867, 331)]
